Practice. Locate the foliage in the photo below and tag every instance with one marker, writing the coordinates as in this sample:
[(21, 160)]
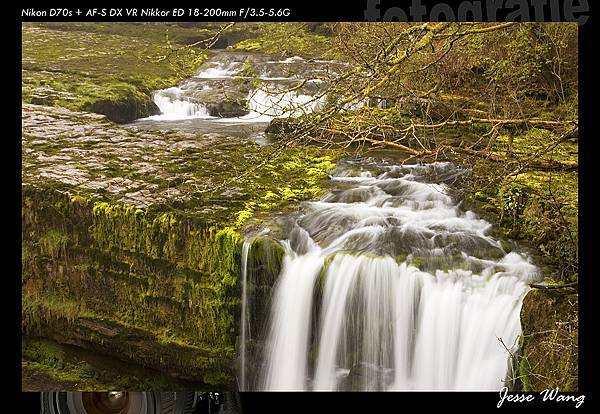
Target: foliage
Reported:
[(515, 70), (286, 40)]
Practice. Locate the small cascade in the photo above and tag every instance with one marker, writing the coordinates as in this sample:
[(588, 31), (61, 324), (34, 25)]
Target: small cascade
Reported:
[(173, 106), (220, 70), (222, 92)]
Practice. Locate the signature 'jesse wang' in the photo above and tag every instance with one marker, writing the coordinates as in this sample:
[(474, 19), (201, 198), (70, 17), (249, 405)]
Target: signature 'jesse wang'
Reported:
[(547, 395)]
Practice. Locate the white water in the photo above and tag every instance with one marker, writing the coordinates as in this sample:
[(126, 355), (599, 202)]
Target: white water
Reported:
[(174, 107), (220, 71), (414, 294), (269, 101), (244, 317), (265, 105), (293, 302)]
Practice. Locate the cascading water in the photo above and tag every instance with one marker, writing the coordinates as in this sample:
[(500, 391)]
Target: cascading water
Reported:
[(387, 284), (173, 107), (220, 71), (290, 87), (266, 105), (244, 317)]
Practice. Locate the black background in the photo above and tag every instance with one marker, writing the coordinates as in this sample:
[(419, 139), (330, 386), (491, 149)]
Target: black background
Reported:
[(310, 403)]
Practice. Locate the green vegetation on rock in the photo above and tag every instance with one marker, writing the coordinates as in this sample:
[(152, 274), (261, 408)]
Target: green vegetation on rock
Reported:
[(287, 39), (108, 247), (549, 344)]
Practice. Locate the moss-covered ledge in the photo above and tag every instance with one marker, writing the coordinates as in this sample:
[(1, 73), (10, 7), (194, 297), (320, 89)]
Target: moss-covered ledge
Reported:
[(549, 342), (117, 240), (164, 297)]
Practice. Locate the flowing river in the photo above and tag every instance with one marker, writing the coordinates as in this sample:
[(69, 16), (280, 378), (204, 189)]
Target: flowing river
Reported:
[(387, 283)]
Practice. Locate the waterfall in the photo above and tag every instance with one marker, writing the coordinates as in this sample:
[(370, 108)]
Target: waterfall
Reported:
[(173, 106), (244, 321), (387, 284), (286, 88), (292, 307)]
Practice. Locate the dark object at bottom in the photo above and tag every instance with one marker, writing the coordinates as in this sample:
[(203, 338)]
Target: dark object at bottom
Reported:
[(186, 402)]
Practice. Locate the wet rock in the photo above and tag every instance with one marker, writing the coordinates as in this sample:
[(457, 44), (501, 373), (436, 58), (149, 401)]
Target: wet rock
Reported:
[(367, 377), (84, 152), (226, 109), (124, 111)]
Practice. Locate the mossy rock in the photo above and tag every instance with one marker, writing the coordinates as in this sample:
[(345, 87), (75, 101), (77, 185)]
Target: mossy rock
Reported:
[(126, 110), (227, 109), (143, 348), (266, 259), (549, 357), (153, 253)]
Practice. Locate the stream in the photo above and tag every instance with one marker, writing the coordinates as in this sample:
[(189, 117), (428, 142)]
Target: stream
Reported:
[(239, 94), (387, 282)]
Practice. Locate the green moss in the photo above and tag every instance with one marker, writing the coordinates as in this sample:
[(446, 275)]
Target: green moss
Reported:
[(265, 260), (70, 379), (268, 252), (296, 175), (287, 39), (112, 71), (248, 45), (77, 369), (51, 359), (549, 345), (37, 310), (53, 242)]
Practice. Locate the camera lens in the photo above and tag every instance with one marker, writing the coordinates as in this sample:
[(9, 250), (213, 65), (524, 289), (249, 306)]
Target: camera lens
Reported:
[(110, 402), (118, 402)]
